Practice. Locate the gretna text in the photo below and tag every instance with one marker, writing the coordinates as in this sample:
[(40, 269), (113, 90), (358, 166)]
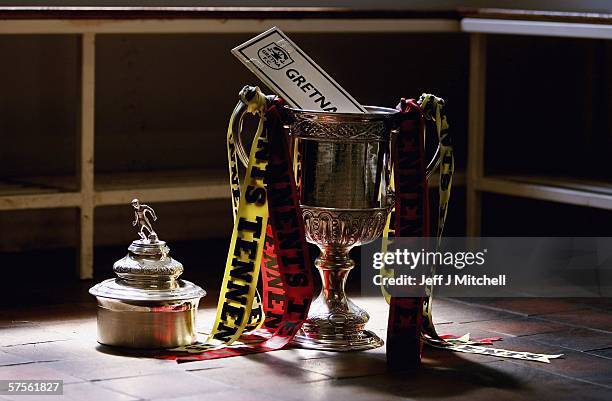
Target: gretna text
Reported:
[(317, 97)]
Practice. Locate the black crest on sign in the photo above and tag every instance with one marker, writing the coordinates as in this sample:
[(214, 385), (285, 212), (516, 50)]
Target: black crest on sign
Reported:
[(274, 56)]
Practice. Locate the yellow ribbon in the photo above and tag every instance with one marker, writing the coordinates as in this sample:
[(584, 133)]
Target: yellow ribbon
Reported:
[(239, 308)]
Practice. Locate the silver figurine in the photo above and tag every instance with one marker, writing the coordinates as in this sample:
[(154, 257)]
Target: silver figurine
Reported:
[(141, 219)]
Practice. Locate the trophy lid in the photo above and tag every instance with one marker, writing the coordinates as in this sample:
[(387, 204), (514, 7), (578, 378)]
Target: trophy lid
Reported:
[(147, 272)]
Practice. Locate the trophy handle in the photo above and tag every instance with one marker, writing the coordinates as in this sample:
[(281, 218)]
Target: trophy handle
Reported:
[(244, 105), (432, 166), (236, 128), (434, 163)]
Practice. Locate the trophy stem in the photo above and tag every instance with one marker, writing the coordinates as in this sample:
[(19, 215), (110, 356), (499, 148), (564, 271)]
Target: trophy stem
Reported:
[(335, 323), (334, 265)]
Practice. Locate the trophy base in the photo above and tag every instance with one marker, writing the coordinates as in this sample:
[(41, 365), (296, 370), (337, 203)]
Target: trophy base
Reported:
[(362, 341)]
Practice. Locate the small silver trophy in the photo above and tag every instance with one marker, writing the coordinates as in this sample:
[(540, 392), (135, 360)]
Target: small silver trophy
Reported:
[(345, 197), (147, 305)]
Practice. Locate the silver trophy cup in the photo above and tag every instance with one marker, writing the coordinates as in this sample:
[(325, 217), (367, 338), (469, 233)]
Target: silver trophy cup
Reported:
[(345, 196)]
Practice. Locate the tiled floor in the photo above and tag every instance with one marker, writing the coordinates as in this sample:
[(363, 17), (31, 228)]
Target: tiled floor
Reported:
[(58, 342), (48, 331)]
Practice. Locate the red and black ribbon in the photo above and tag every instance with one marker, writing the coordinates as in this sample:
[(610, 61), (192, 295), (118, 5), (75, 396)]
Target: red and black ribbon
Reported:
[(404, 343)]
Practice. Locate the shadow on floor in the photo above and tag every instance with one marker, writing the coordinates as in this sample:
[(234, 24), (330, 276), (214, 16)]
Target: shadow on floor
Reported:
[(442, 374)]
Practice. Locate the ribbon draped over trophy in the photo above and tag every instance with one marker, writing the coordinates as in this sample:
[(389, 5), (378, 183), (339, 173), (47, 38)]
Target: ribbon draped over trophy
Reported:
[(268, 237), (272, 225), (269, 234)]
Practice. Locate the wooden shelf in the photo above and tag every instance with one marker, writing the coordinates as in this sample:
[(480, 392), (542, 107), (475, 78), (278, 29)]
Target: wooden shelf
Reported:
[(38, 192), (40, 200), (94, 20), (161, 186), (536, 28), (114, 189), (479, 23), (590, 193), (193, 12), (584, 17)]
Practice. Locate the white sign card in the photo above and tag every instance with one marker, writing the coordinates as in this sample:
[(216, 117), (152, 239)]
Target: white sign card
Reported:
[(294, 76)]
